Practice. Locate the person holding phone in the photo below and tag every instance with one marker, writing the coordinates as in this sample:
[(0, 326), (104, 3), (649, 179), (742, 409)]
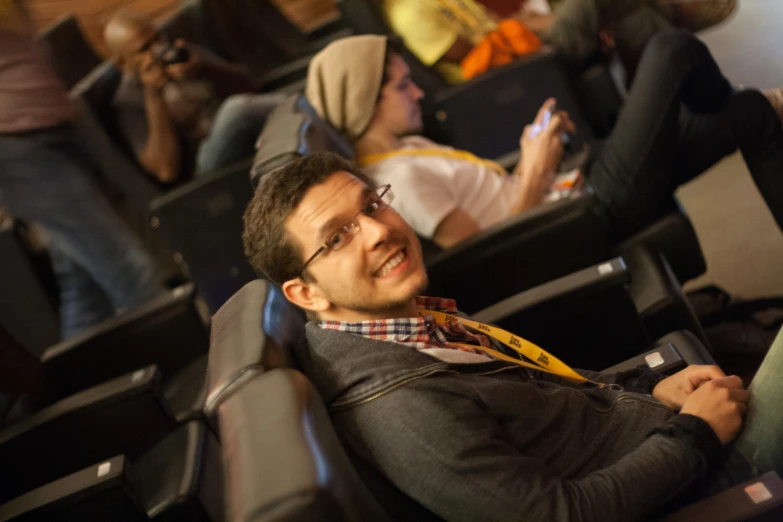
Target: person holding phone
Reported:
[(180, 107), (682, 118)]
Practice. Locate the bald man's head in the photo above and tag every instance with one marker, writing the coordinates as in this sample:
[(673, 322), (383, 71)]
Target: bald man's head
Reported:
[(128, 34)]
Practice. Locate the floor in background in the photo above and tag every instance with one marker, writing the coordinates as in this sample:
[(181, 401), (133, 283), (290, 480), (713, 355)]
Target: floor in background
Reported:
[(742, 243)]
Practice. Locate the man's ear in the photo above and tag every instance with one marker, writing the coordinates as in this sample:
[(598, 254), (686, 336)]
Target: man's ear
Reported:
[(305, 295)]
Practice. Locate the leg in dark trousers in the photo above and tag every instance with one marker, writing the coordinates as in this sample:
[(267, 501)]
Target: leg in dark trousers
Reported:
[(681, 117)]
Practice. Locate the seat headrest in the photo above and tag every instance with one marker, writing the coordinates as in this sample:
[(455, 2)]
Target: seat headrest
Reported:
[(283, 459), (294, 130), (254, 331)]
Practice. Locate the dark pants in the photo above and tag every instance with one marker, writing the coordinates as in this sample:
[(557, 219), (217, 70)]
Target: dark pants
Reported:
[(682, 117)]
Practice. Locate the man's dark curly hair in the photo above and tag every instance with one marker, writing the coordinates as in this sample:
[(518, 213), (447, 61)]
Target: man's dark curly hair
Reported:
[(268, 247)]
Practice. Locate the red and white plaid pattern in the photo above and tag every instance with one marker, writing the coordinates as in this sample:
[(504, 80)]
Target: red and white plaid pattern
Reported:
[(416, 332)]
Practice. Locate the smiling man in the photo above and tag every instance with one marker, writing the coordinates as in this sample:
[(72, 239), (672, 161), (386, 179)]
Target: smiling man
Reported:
[(439, 406)]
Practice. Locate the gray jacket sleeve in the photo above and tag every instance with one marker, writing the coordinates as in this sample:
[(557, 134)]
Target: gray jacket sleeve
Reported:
[(457, 462)]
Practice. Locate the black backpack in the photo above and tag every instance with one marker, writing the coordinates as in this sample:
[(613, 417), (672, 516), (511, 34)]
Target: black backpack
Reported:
[(739, 331)]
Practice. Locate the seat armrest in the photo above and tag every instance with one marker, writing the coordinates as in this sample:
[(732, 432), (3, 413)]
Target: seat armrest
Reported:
[(760, 499), (569, 318), (99, 492), (532, 248), (663, 359), (593, 279), (168, 332), (124, 416)]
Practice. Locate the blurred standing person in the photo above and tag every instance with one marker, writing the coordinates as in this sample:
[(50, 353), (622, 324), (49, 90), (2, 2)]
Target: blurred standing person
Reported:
[(44, 178)]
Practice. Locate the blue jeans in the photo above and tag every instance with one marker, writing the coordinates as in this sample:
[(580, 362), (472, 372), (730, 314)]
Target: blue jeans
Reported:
[(234, 131), (100, 265)]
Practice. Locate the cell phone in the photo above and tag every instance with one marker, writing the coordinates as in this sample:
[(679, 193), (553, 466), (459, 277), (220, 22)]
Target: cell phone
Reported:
[(538, 127)]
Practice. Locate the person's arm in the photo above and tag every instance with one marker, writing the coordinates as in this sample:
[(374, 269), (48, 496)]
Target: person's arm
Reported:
[(459, 463), (160, 155), (541, 157), (226, 78), (455, 227)]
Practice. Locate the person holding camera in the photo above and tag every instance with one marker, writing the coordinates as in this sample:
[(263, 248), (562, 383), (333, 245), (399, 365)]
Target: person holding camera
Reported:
[(180, 107)]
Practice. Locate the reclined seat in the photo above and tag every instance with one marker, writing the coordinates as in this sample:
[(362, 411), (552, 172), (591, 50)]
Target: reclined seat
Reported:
[(487, 114), (100, 394), (179, 479), (283, 461)]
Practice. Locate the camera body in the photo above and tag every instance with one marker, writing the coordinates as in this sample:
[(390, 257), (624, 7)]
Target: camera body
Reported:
[(170, 54)]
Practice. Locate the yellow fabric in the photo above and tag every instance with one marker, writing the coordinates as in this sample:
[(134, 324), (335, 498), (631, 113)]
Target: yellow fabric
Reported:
[(540, 358), (430, 27), (463, 155)]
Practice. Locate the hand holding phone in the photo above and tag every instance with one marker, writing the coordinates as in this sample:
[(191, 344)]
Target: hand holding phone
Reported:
[(537, 128)]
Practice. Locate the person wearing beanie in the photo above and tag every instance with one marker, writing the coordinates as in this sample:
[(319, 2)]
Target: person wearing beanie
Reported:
[(680, 118)]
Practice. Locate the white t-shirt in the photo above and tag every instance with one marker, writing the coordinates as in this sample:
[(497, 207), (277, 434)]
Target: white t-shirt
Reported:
[(428, 188)]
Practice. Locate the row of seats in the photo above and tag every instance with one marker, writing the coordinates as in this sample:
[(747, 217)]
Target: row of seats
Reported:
[(281, 459), (139, 423)]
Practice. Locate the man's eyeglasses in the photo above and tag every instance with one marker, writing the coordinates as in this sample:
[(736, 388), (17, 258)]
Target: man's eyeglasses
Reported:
[(375, 203)]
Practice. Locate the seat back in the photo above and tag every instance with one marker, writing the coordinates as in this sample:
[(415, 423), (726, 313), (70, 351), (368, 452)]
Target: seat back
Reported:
[(30, 316), (282, 458), (255, 331), (202, 222), (498, 258), (294, 130), (99, 492), (102, 139), (169, 331), (71, 56), (23, 387)]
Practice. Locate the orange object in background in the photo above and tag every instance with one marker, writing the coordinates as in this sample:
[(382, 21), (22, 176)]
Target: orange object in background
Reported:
[(510, 40)]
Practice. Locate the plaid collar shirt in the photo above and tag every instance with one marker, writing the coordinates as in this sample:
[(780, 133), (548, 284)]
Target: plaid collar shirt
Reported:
[(420, 333)]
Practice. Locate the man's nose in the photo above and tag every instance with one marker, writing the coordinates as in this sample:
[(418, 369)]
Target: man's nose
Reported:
[(418, 94), (375, 232)]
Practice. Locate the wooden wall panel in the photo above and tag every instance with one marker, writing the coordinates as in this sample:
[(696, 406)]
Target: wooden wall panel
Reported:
[(92, 14)]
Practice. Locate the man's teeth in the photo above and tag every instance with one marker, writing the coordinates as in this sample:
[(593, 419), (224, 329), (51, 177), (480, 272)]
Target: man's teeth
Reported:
[(393, 262)]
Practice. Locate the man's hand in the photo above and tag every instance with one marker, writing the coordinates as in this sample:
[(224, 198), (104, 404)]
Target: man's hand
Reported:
[(721, 403), (541, 154), (674, 390), (189, 69), (152, 73)]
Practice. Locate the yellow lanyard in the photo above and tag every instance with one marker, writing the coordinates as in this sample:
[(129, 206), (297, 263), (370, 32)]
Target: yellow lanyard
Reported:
[(461, 155), (542, 360)]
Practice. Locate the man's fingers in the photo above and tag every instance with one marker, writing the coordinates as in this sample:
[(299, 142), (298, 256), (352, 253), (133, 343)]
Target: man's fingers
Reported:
[(732, 381), (567, 125), (714, 372), (740, 395)]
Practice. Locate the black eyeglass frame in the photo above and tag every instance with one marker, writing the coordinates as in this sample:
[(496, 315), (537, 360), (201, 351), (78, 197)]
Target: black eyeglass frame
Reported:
[(380, 192)]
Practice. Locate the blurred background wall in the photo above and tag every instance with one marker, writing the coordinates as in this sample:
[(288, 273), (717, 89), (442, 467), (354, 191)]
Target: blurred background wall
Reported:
[(92, 14)]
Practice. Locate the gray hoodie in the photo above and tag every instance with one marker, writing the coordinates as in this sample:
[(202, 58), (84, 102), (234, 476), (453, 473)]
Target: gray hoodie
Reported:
[(494, 441)]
